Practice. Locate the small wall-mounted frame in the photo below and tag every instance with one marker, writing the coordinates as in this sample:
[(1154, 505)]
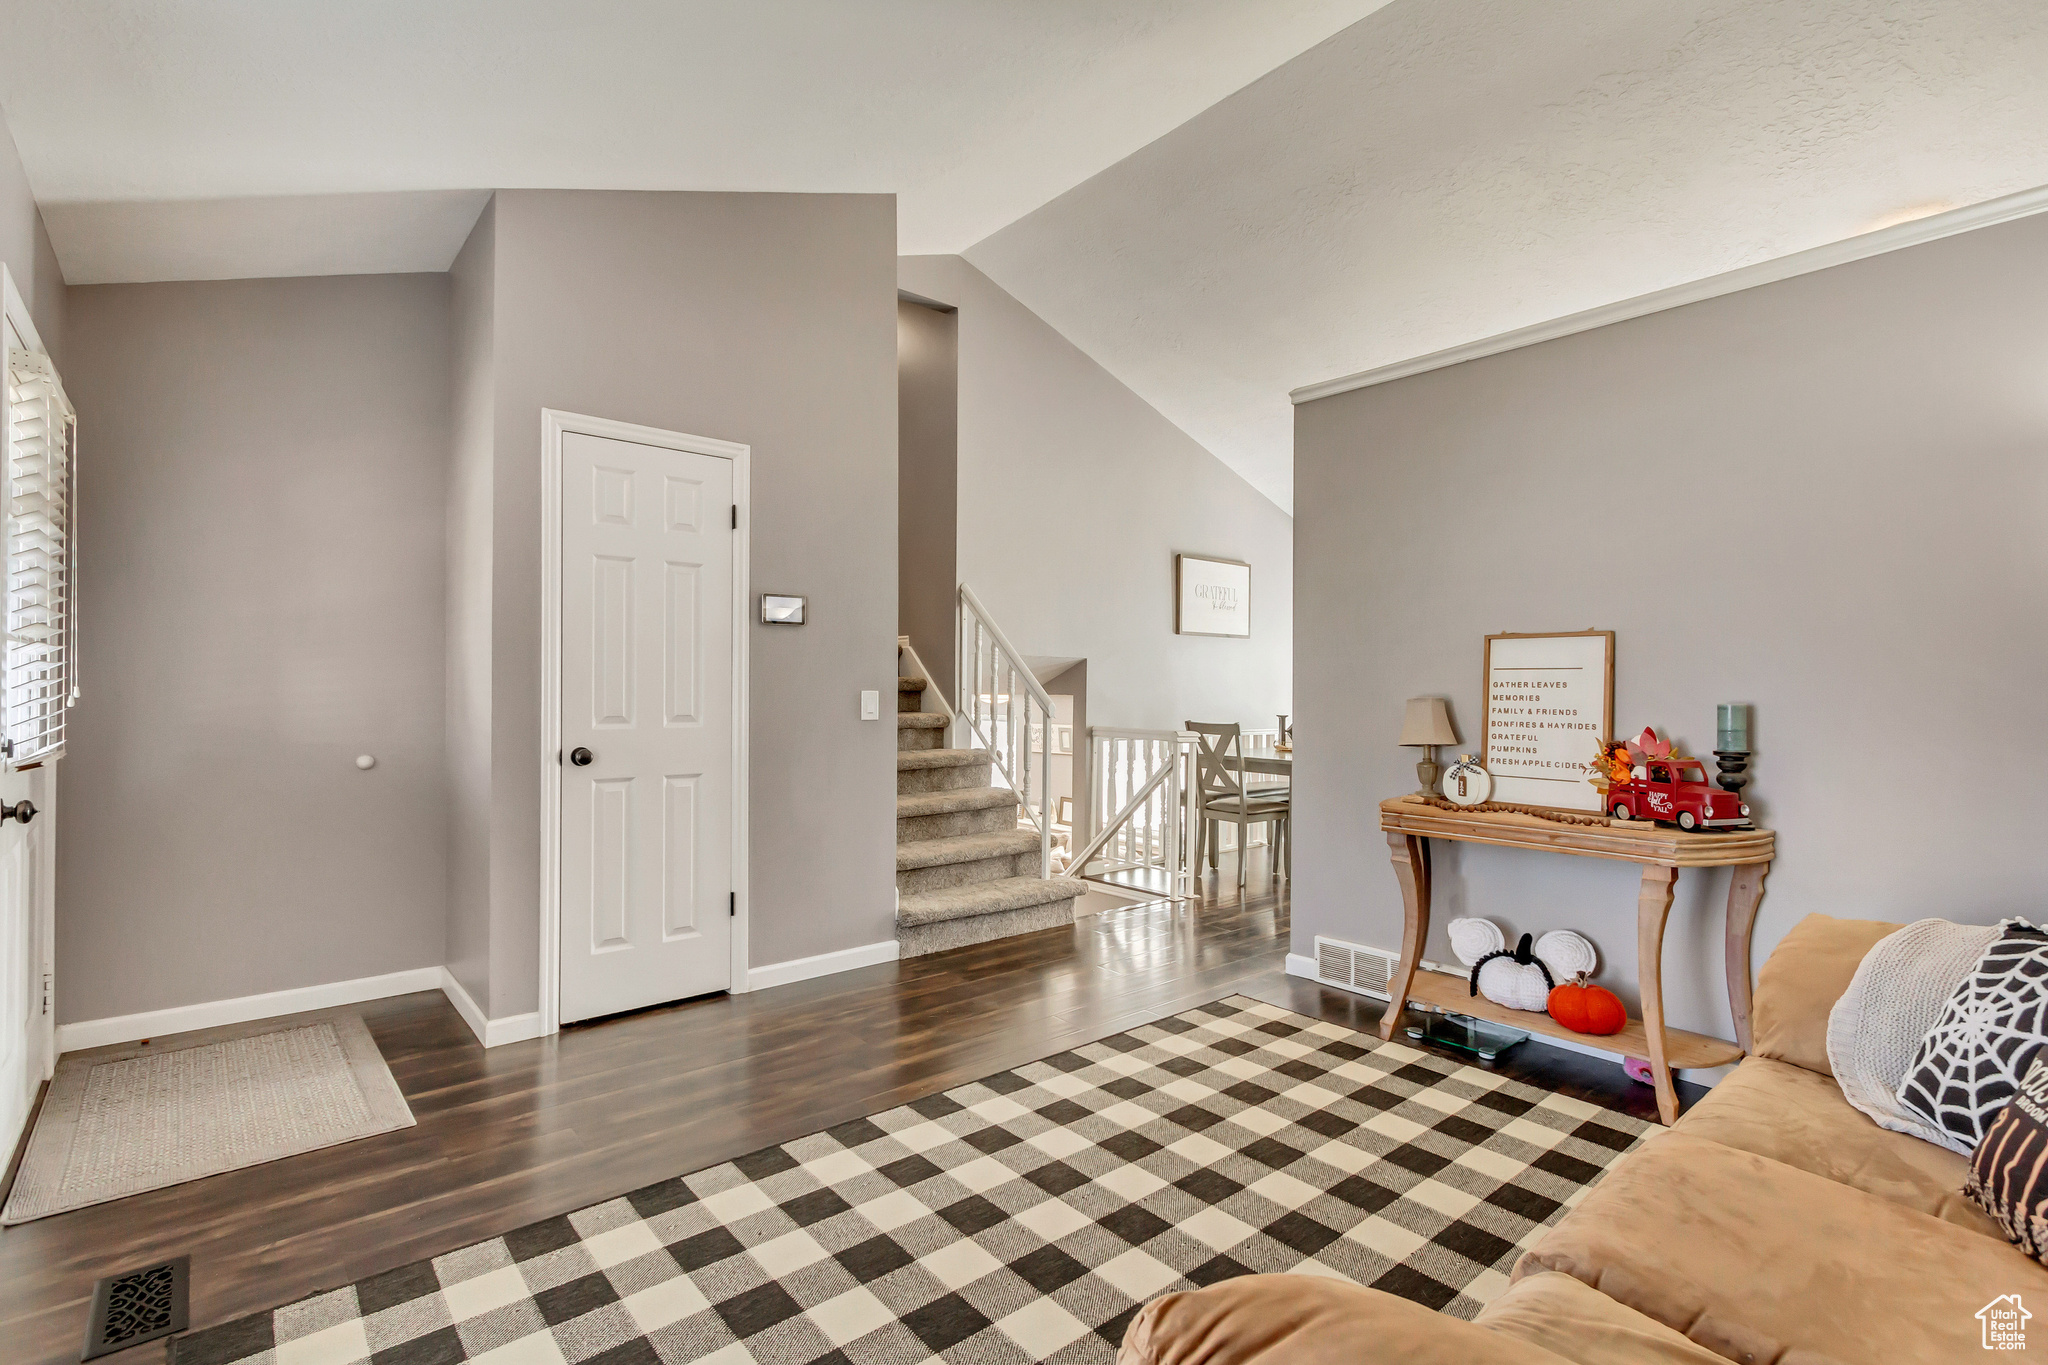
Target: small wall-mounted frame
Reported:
[(1065, 814), (1063, 739), (781, 611), (1212, 597)]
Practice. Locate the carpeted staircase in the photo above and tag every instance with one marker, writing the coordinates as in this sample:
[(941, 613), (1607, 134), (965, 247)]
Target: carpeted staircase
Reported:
[(965, 871)]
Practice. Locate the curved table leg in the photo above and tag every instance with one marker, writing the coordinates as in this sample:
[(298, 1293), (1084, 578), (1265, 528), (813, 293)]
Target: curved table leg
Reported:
[(1410, 854), (1745, 893), (1653, 908)]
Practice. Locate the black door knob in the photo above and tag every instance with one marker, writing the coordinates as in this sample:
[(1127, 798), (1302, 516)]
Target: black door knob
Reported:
[(23, 811), (581, 757)]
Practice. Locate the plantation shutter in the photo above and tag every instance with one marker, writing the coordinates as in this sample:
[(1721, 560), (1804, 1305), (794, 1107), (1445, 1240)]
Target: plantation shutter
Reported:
[(40, 679)]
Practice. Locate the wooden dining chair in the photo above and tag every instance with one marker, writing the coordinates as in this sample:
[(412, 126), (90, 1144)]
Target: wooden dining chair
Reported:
[(1222, 794)]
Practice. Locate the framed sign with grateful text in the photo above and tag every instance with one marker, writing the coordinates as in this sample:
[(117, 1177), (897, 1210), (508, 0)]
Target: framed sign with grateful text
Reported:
[(1549, 701), (1212, 597)]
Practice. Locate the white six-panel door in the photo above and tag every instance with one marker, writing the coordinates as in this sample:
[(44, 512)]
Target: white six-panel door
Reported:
[(648, 635)]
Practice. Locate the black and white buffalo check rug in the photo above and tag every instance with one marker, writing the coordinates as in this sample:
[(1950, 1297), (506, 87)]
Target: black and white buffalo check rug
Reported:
[(1022, 1217)]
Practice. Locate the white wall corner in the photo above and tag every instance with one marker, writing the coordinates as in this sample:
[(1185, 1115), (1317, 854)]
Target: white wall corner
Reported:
[(824, 964), (472, 1014), (515, 1028)]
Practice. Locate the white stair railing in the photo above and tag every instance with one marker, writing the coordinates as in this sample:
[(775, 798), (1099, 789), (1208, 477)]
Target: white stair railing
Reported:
[(1120, 824), (1006, 712), (1153, 834), (1151, 837)]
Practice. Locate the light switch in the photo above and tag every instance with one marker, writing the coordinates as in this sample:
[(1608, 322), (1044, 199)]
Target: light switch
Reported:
[(871, 706)]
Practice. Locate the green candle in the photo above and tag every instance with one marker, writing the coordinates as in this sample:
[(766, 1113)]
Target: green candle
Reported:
[(1731, 728)]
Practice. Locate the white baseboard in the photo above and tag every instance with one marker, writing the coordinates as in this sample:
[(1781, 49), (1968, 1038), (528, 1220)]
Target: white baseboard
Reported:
[(1301, 965), (1298, 965), (824, 964), (465, 1005), (129, 1028), (513, 1028)]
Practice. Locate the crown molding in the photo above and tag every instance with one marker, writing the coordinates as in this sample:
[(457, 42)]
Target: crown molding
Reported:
[(1932, 228)]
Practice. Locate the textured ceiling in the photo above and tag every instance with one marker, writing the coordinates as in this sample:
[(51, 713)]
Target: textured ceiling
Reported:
[(972, 111), (1443, 172)]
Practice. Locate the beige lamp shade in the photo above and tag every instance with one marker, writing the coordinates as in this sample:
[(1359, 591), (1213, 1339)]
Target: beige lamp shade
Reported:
[(1428, 721)]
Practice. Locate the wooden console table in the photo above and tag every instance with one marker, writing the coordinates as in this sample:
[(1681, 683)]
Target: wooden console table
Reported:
[(1410, 823)]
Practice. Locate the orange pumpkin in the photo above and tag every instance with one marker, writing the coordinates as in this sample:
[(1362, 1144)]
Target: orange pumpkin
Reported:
[(1584, 1007)]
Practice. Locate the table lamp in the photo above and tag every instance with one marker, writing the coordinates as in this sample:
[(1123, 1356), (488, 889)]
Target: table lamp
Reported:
[(1428, 724)]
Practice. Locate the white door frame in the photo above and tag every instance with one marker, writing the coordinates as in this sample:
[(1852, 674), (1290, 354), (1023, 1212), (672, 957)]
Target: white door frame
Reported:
[(43, 834), (554, 425)]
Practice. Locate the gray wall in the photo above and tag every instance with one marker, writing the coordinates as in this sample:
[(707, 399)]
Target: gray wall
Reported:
[(1075, 494), (768, 319), (25, 247), (261, 490), (928, 483), (1824, 497), (472, 281)]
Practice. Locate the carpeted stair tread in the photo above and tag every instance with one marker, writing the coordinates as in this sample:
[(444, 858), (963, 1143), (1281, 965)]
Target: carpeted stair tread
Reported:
[(984, 898), (965, 848), (909, 759), (961, 798), (965, 872)]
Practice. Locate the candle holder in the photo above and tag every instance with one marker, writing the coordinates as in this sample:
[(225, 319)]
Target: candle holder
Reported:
[(1734, 766)]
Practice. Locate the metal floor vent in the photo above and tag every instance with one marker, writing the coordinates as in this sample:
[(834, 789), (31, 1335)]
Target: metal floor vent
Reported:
[(1355, 966), (137, 1306)]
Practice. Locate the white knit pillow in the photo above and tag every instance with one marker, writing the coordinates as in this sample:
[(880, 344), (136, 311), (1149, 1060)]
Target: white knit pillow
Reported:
[(1893, 1002)]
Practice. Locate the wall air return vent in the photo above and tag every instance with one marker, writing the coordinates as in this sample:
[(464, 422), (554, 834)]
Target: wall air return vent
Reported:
[(1354, 966)]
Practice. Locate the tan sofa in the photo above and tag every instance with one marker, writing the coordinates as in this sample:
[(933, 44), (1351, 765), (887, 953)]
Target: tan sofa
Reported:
[(1772, 1225)]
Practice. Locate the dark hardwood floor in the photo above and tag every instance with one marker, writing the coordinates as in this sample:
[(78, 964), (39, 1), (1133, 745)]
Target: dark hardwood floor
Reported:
[(535, 1129)]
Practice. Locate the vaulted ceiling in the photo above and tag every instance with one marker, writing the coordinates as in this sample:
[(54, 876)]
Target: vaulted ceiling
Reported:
[(1444, 172), (973, 112), (1218, 201)]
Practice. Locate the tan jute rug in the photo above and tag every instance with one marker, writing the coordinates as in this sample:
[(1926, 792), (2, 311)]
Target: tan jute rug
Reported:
[(134, 1117)]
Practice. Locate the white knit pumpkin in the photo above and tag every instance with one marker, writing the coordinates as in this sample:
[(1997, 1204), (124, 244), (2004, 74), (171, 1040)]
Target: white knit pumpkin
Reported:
[(1518, 985), (1503, 980)]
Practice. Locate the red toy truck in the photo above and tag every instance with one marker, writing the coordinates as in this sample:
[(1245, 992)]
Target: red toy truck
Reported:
[(1676, 790)]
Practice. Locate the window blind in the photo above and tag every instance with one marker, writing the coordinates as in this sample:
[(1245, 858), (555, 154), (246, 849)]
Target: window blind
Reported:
[(40, 680)]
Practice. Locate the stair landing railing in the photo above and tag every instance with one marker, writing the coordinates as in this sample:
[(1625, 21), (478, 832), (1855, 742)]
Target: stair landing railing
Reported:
[(1138, 782), (1007, 712), (1141, 786)]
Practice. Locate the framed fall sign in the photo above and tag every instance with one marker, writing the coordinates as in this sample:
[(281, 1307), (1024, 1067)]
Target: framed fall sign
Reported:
[(1549, 701)]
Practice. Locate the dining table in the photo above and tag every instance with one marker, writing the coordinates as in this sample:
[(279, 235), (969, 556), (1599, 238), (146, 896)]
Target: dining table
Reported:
[(1271, 764)]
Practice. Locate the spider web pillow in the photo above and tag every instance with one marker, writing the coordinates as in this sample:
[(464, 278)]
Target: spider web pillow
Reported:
[(2009, 1174), (1972, 1062)]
